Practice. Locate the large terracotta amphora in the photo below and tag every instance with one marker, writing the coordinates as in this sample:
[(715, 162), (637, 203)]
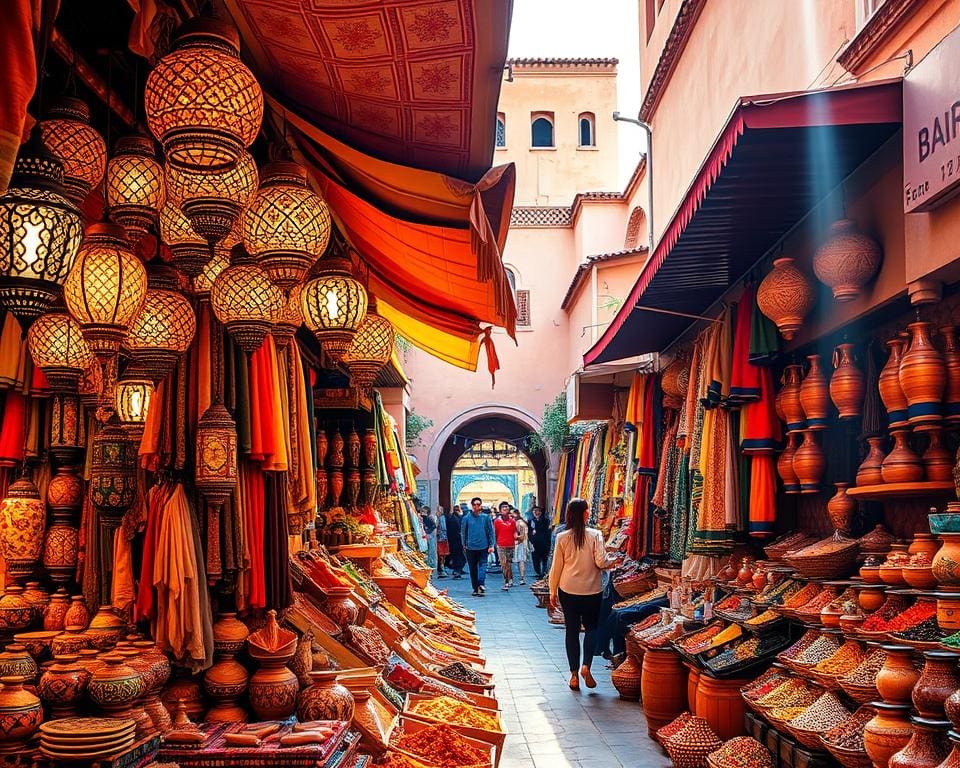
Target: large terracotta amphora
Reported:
[(808, 463), (841, 509), (814, 395), (951, 365), (870, 472), (785, 464), (847, 385), (889, 384), (902, 465), (790, 399), (923, 377)]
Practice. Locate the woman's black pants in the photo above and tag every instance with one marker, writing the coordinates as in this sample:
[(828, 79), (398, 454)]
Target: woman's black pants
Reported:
[(580, 610)]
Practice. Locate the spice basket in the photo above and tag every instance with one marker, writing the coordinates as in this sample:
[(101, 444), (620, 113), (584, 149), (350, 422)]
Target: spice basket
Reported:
[(777, 549), (765, 628), (635, 586), (848, 758), (664, 733), (836, 564), (862, 694), (494, 738), (809, 739), (749, 664), (690, 755), (485, 688), (828, 682), (409, 725)]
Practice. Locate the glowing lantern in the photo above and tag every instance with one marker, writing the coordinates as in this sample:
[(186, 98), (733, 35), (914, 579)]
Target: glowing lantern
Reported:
[(371, 349), (133, 402), (203, 282), (190, 251), (246, 302), (58, 348), (203, 104), (22, 518), (161, 333), (287, 226), (134, 187), (68, 135), (334, 305), (213, 200)]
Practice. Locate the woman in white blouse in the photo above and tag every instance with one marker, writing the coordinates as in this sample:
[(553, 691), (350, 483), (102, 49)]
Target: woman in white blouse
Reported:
[(578, 559)]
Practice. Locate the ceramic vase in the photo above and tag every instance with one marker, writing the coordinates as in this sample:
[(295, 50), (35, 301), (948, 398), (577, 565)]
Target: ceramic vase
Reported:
[(946, 562), (369, 448), (78, 615), (841, 509), (63, 685), (923, 377), (106, 628), (809, 463), (951, 366), (72, 640), (56, 610), (847, 385), (325, 699), (889, 384), (115, 686), (792, 408), (887, 733), (225, 683), (847, 260), (229, 633), (273, 690), (870, 472), (785, 464), (323, 445), (928, 745), (323, 489), (786, 296), (924, 542), (898, 675), (336, 451), (20, 714), (353, 447), (814, 398), (16, 612), (22, 518), (902, 465), (353, 487), (368, 482), (339, 607), (336, 486), (937, 459), (952, 708), (183, 689), (36, 595), (938, 680), (16, 662)]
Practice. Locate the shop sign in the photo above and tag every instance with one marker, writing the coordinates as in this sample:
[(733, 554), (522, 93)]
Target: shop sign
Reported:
[(931, 127)]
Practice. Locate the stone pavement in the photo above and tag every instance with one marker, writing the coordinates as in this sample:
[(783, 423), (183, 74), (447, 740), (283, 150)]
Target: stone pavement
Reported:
[(548, 725)]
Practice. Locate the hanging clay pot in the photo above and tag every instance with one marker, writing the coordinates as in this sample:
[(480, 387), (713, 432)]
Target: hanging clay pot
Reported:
[(951, 364), (792, 408), (889, 384), (785, 464), (808, 463), (786, 296), (841, 509), (923, 377), (902, 465), (353, 487), (814, 395), (323, 446), (870, 471), (847, 384), (369, 448), (847, 260), (323, 488), (937, 459)]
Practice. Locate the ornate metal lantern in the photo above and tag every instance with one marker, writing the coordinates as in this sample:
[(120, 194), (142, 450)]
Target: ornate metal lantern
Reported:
[(22, 518), (246, 302), (163, 330), (287, 226), (213, 200), (68, 135), (289, 319), (135, 191), (371, 349), (133, 402), (58, 348), (334, 304), (203, 282), (190, 251), (113, 474), (203, 104), (40, 233)]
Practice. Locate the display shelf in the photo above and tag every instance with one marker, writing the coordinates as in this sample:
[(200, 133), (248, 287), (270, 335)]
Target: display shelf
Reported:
[(900, 490)]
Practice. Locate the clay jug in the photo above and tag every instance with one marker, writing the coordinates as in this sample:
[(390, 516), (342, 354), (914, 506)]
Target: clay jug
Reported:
[(946, 562), (745, 574), (325, 699), (808, 463), (923, 377), (951, 365), (902, 465), (870, 472), (322, 446), (887, 733), (938, 680), (792, 408), (786, 296), (847, 384), (928, 745), (889, 384), (339, 607), (898, 675), (813, 395), (77, 614), (937, 459), (785, 464), (56, 611), (273, 691), (20, 714), (841, 509), (63, 685), (847, 260)]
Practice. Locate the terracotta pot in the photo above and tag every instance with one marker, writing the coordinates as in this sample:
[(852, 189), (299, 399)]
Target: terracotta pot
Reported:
[(923, 377), (325, 699), (63, 685), (36, 595), (809, 463), (323, 445), (368, 481), (720, 703), (663, 685), (889, 384), (106, 628), (790, 400), (16, 612), (952, 708), (353, 447), (902, 465), (323, 488), (353, 487), (185, 689), (948, 611), (897, 676), (814, 397), (841, 509), (336, 486), (928, 745), (22, 518), (951, 365), (156, 665), (759, 579), (786, 296), (229, 633), (369, 448), (870, 597), (60, 548), (946, 562), (847, 385), (887, 733), (56, 610), (225, 682), (938, 680), (339, 607), (16, 662), (693, 685), (924, 542), (847, 260), (273, 692), (937, 460), (115, 686), (953, 759), (77, 614), (785, 464), (71, 640), (626, 679), (745, 574), (870, 472), (336, 451), (20, 714), (877, 542)]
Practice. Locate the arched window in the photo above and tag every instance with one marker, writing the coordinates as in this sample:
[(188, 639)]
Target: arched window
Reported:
[(541, 129), (635, 227), (521, 298), (587, 124), (512, 279), (501, 130)]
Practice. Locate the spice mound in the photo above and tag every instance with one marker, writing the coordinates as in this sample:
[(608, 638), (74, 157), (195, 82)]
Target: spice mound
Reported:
[(462, 673), (449, 710), (823, 714), (849, 733), (443, 747), (742, 752)]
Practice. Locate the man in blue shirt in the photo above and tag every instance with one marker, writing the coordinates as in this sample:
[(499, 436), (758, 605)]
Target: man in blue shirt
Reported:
[(478, 542)]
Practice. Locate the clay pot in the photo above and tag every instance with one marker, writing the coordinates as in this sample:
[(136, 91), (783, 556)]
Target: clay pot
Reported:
[(370, 440), (887, 733), (946, 562), (368, 483), (63, 685), (273, 691), (928, 745), (953, 759), (353, 447), (60, 548), (814, 395), (759, 579), (870, 597), (870, 472), (353, 487), (847, 385), (745, 574), (336, 451), (938, 680), (847, 260), (937, 460), (325, 699), (336, 486), (809, 463), (948, 611), (323, 446), (36, 595), (889, 384), (951, 365), (72, 640), (16, 662), (924, 542), (229, 633), (902, 465), (626, 679), (339, 607), (785, 464), (115, 686), (225, 682), (841, 509), (20, 714), (877, 542), (77, 614), (897, 676), (106, 628), (16, 612), (790, 399), (786, 296), (22, 518), (923, 377), (952, 708), (323, 488), (184, 689), (56, 610)]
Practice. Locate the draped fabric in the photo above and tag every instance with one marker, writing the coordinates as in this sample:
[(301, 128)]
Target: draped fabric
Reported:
[(745, 377), (253, 591), (761, 428), (763, 491), (277, 574), (21, 20), (12, 353)]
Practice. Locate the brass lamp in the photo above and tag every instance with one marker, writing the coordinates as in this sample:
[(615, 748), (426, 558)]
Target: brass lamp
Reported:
[(334, 304), (245, 301), (161, 333), (213, 200), (134, 187), (58, 348), (287, 225), (67, 133), (133, 402), (40, 233), (370, 350), (190, 251), (203, 104)]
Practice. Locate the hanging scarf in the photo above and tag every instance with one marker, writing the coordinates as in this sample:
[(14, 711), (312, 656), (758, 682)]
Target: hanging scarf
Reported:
[(744, 377)]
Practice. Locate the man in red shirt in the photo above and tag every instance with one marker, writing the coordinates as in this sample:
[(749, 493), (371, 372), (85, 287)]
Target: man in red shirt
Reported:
[(505, 528)]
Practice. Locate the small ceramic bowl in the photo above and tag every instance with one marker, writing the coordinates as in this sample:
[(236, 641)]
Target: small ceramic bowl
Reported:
[(919, 576), (944, 522)]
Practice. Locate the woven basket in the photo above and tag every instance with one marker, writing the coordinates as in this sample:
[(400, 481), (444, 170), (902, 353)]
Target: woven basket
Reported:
[(674, 726), (631, 587), (689, 755), (777, 551), (862, 694), (829, 565), (848, 758), (809, 739)]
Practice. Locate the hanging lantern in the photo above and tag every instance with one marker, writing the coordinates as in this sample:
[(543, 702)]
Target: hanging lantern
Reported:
[(289, 319), (786, 296), (133, 402), (370, 350), (58, 348), (203, 282), (190, 251), (213, 200), (106, 288), (163, 330), (203, 104), (216, 466), (135, 191), (67, 427), (287, 226), (113, 473), (245, 301), (68, 135), (22, 518), (334, 304), (40, 232)]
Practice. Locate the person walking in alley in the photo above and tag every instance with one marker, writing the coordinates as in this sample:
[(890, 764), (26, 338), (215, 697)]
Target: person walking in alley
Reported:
[(506, 529), (575, 583), (539, 534), (456, 559), (520, 551), (443, 545), (430, 533), (476, 533)]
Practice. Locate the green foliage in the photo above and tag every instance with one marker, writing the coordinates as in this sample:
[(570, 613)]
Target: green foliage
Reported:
[(416, 425), (555, 431)]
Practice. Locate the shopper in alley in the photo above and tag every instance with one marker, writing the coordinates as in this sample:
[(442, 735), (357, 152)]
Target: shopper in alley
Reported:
[(476, 532), (505, 527)]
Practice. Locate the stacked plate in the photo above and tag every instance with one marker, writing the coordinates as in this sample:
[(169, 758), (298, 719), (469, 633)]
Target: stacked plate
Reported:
[(85, 739)]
